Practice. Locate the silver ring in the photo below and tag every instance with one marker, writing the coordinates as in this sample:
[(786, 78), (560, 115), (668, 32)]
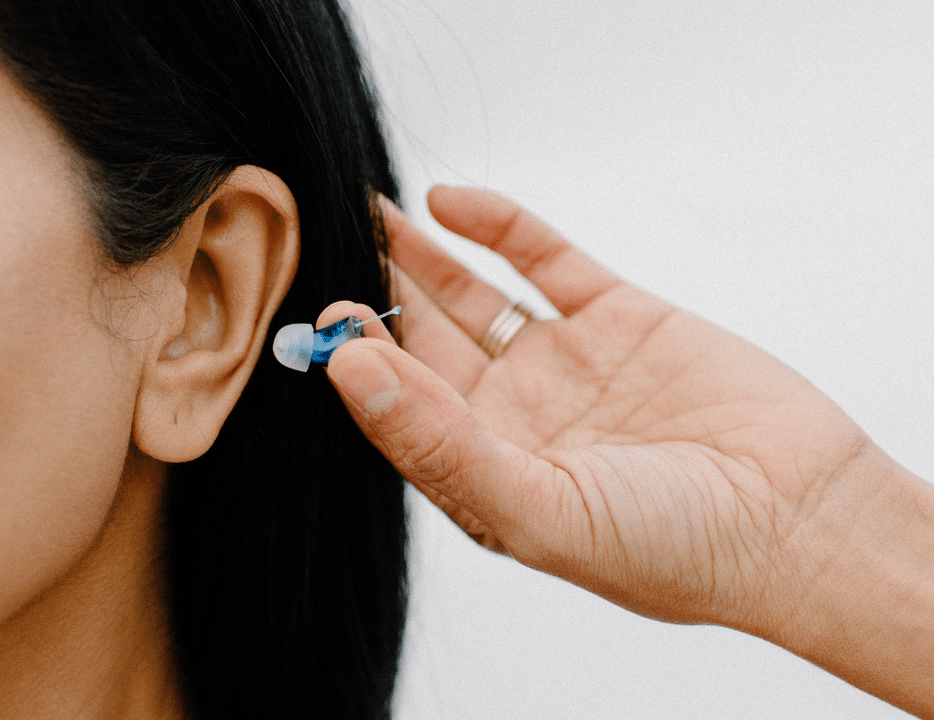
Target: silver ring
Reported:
[(504, 328)]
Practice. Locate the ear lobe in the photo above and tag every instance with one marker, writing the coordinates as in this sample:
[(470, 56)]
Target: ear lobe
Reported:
[(231, 264)]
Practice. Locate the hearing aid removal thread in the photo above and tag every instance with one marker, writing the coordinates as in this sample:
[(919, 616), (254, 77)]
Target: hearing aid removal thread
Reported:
[(297, 346)]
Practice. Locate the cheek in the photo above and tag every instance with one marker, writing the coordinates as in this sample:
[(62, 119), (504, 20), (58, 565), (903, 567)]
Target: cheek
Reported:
[(66, 404)]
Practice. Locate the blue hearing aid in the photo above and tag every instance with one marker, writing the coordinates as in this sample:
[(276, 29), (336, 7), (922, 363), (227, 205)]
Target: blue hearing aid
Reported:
[(297, 346)]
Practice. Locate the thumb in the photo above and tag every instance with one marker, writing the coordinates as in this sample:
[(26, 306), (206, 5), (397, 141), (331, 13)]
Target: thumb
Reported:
[(429, 433)]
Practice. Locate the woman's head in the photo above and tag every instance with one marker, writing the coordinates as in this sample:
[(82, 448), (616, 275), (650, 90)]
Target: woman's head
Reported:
[(160, 159)]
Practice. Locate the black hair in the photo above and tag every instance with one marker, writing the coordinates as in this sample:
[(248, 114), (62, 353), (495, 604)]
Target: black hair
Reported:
[(285, 550)]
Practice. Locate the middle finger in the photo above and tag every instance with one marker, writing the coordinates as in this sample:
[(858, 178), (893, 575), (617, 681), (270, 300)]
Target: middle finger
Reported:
[(433, 338), (469, 301)]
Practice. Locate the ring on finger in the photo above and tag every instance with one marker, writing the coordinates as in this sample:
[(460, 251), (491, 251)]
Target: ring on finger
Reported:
[(504, 328)]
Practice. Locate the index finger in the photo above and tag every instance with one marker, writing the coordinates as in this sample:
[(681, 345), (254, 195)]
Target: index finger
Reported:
[(566, 276)]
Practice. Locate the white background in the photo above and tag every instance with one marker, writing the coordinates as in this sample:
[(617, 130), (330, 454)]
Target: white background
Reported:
[(768, 165)]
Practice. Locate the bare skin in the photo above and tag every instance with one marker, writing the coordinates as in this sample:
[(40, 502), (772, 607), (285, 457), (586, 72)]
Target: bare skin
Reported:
[(104, 379), (645, 454)]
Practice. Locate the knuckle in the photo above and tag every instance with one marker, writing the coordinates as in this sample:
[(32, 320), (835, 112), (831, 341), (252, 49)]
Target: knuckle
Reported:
[(452, 282), (427, 455)]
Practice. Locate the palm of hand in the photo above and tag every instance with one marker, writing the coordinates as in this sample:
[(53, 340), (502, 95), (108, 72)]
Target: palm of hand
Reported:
[(690, 452), (685, 456)]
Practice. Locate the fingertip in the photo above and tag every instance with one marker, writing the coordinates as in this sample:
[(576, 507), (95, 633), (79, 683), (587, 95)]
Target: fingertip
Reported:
[(341, 309), (441, 193), (442, 200), (387, 207), (345, 308), (459, 207), (394, 221)]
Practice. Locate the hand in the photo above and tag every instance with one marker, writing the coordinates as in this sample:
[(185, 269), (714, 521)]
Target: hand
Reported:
[(629, 447)]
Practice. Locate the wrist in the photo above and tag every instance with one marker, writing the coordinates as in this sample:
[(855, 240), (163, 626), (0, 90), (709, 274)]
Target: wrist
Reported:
[(854, 588)]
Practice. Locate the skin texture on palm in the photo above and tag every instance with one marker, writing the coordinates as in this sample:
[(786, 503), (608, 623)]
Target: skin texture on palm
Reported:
[(629, 446)]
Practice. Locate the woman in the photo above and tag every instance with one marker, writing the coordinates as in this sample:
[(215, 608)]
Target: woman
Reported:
[(187, 531), (156, 171)]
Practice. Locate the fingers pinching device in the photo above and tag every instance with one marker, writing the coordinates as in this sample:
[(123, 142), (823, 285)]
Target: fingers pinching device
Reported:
[(297, 346)]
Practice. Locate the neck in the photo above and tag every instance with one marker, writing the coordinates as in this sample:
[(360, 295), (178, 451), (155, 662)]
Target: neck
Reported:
[(95, 645)]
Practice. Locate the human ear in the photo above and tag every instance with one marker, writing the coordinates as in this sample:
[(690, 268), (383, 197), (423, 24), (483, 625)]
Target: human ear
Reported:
[(228, 271)]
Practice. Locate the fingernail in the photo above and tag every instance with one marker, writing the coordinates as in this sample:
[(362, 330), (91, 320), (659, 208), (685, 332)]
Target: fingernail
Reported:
[(367, 378)]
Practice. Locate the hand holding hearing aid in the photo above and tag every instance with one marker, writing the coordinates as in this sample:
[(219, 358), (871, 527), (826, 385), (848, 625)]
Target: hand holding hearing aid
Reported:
[(629, 447)]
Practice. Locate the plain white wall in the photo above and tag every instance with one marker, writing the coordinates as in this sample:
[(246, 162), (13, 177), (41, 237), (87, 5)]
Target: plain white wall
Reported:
[(768, 165)]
